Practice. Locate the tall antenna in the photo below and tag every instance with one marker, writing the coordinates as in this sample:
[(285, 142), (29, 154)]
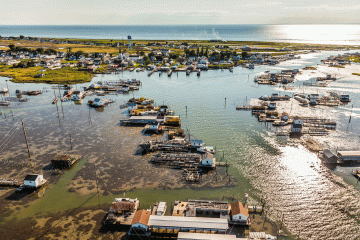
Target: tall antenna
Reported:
[(27, 146), (130, 44)]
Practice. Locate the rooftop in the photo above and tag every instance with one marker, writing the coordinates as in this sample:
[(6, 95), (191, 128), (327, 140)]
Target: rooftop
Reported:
[(141, 216), (188, 222), (204, 236)]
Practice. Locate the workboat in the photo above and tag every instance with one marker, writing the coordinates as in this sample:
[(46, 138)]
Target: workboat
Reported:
[(79, 96), (4, 90), (4, 103), (100, 102)]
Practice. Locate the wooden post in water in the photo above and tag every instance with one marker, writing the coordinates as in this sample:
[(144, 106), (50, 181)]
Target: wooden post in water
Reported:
[(97, 185), (70, 142), (27, 146), (186, 110)]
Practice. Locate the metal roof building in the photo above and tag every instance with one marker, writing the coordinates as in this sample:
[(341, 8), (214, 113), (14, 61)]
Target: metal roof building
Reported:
[(349, 155), (204, 236), (185, 224)]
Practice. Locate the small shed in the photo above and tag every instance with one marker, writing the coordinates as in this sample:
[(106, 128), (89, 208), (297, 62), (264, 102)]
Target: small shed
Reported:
[(329, 156), (34, 180), (239, 213)]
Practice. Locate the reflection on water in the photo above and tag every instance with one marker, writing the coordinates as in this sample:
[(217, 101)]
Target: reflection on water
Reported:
[(297, 187)]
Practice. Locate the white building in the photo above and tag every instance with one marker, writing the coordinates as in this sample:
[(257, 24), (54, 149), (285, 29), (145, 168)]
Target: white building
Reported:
[(34, 180)]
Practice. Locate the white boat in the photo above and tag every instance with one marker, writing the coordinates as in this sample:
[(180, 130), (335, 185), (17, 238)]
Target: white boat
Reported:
[(4, 90), (78, 97), (100, 93), (100, 102), (4, 103)]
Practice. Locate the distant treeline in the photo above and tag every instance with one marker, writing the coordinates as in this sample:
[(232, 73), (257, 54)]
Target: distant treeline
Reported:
[(16, 49)]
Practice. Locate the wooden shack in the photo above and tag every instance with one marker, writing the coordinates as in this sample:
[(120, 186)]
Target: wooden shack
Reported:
[(64, 161)]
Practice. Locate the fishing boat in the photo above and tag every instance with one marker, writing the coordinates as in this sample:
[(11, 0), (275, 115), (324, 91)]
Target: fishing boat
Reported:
[(97, 102), (79, 96), (4, 103), (4, 90)]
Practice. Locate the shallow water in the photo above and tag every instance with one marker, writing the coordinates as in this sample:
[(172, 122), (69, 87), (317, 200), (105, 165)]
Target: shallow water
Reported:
[(312, 199)]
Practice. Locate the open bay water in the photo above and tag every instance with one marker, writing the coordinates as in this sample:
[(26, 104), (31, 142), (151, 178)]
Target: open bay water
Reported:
[(313, 200), (320, 34)]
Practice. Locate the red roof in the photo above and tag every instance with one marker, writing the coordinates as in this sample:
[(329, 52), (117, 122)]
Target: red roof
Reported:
[(239, 208), (141, 216)]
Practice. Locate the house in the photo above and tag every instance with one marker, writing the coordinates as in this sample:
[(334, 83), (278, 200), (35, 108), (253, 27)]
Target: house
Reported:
[(97, 61), (239, 214), (197, 143), (246, 48), (296, 126), (272, 106), (208, 161), (236, 58), (136, 58), (34, 180), (208, 208), (139, 224)]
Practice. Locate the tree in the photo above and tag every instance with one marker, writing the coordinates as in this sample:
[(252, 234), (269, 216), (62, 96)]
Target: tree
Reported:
[(244, 55), (142, 53), (12, 47), (69, 49), (202, 51), (206, 51), (197, 51), (22, 37), (159, 58), (147, 62), (40, 50)]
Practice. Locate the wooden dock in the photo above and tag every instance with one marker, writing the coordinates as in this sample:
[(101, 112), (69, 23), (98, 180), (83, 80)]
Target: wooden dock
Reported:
[(10, 183), (246, 108)]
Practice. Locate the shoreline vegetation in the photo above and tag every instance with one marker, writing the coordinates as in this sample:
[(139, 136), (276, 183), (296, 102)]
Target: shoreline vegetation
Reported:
[(69, 55)]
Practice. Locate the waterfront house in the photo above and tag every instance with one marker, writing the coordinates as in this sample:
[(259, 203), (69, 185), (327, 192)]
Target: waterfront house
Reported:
[(179, 208), (34, 180), (197, 143), (246, 48), (208, 161), (239, 214), (97, 61), (139, 224), (208, 208), (296, 126)]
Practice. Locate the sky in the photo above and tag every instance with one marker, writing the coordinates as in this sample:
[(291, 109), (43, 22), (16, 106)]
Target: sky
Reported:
[(169, 12)]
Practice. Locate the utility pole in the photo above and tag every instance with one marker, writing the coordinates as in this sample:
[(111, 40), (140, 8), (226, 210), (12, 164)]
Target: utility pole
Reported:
[(27, 146)]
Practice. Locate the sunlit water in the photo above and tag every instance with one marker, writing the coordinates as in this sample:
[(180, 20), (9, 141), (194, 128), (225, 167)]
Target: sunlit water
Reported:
[(321, 34), (312, 200)]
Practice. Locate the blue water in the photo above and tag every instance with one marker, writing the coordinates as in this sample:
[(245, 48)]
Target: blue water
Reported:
[(321, 34)]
